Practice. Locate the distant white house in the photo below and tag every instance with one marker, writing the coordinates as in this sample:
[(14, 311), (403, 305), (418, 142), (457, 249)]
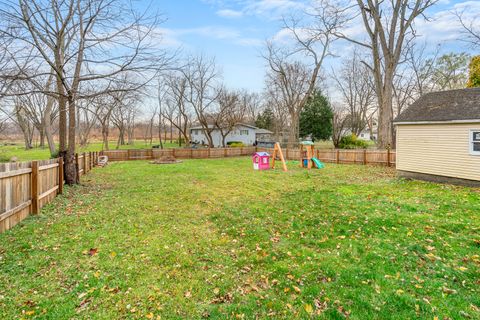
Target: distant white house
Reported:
[(367, 136), (244, 133)]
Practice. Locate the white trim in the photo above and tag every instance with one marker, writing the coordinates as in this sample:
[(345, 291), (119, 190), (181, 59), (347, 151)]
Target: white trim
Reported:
[(438, 122), (472, 152)]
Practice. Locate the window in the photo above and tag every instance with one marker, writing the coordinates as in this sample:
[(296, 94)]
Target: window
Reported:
[(244, 132), (475, 142)]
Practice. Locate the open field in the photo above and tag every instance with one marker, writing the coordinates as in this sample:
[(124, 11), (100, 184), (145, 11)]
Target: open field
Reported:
[(18, 150), (213, 238)]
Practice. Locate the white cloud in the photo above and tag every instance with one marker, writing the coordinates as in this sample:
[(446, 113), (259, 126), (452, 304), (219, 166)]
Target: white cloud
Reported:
[(271, 9), (228, 13), (172, 37), (444, 25)]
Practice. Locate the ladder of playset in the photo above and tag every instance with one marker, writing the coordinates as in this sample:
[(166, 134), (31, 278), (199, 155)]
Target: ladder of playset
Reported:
[(278, 150)]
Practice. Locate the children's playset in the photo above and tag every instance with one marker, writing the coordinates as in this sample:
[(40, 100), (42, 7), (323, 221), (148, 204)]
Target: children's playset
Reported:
[(261, 160), (307, 156)]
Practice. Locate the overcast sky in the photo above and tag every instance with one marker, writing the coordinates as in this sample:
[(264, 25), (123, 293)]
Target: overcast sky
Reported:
[(234, 31)]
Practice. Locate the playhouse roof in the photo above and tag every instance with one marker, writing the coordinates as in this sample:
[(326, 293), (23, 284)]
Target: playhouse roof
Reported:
[(261, 154), (452, 106)]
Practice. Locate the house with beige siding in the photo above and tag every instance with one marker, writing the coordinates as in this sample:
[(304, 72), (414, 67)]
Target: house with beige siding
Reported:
[(438, 138)]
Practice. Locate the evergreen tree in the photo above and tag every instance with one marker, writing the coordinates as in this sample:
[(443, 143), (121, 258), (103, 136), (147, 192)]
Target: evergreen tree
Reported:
[(265, 120), (316, 118)]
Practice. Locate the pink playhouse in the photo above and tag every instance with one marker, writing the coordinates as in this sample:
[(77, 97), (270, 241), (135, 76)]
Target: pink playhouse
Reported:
[(261, 161)]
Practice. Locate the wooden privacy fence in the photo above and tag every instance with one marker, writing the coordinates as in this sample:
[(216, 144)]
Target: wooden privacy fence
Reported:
[(358, 156), (341, 156), (201, 153), (26, 187)]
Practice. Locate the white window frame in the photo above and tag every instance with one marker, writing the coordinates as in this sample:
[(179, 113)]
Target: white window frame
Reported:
[(472, 152)]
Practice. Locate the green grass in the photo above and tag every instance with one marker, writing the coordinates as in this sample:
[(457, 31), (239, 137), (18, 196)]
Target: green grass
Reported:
[(213, 238), (18, 150)]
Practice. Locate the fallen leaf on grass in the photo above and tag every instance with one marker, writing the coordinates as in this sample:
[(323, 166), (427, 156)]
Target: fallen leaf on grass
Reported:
[(448, 291), (308, 308), (223, 299), (92, 251)]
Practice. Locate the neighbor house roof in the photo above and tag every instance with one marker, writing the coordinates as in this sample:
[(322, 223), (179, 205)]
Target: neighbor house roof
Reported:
[(198, 127), (461, 105), (262, 131)]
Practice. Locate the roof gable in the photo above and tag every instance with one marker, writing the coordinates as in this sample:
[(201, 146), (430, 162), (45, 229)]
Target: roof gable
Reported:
[(452, 105)]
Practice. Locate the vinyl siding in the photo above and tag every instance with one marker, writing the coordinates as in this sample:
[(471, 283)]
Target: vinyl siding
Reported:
[(438, 149)]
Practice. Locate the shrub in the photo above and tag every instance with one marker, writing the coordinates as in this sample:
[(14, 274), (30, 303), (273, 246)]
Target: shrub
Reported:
[(235, 144), (352, 142), (4, 158)]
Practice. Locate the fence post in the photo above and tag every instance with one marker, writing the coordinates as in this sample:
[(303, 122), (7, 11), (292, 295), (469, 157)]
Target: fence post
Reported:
[(225, 153), (208, 152), (60, 175), (128, 154), (173, 152), (338, 157), (191, 153), (77, 165), (34, 188), (364, 156), (84, 163), (388, 157)]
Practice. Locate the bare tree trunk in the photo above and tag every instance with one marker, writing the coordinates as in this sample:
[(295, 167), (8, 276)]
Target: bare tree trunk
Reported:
[(42, 137), (385, 116), (160, 129), (71, 176), (48, 127), (105, 132)]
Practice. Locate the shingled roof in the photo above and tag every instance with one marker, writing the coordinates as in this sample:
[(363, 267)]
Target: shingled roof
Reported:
[(452, 105)]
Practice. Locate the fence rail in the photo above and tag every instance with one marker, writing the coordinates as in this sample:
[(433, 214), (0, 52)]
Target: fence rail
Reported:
[(356, 156), (187, 153), (360, 156), (26, 187)]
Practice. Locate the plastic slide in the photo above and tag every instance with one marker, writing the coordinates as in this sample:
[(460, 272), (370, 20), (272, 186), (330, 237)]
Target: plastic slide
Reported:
[(318, 163)]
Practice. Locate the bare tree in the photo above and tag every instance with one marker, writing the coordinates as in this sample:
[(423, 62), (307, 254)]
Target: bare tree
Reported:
[(175, 108), (201, 75), (390, 28), (123, 116), (24, 124), (340, 118), (290, 79), (87, 120), (81, 41), (103, 107), (470, 28), (231, 112), (355, 83), (252, 103)]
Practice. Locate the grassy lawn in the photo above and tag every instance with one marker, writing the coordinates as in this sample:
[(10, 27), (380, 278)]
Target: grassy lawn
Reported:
[(214, 239), (18, 150)]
